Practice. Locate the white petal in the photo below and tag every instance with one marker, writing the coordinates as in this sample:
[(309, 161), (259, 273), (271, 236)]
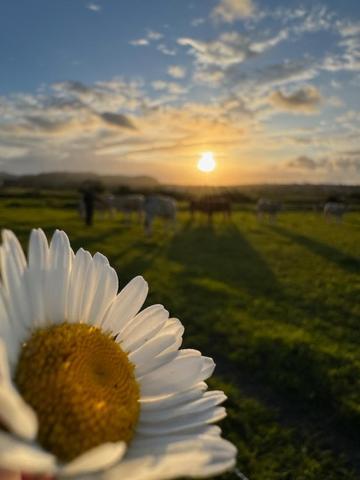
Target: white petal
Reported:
[(126, 305), (57, 278), (161, 467), (35, 276), (78, 285), (220, 454), (183, 423), (106, 288), (207, 401), (166, 357), (93, 286), (15, 414), (151, 349), (14, 250), (164, 402), (183, 372), (143, 327), (4, 366), (98, 458), (143, 445), (8, 332), (173, 325), (207, 368), (38, 251), (18, 456), (13, 264)]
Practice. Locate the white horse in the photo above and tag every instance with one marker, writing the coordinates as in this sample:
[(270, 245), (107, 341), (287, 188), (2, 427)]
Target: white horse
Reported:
[(267, 209), (159, 206), (334, 211), (128, 204)]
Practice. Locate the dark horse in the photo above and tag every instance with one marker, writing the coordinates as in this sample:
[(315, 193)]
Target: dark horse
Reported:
[(209, 206)]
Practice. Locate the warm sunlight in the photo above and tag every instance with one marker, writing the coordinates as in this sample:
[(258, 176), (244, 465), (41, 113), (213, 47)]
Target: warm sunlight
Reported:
[(206, 162)]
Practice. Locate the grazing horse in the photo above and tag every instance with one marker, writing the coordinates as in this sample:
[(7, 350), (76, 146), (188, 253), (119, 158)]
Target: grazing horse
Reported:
[(334, 211), (159, 206), (269, 209), (128, 204), (209, 206), (101, 203)]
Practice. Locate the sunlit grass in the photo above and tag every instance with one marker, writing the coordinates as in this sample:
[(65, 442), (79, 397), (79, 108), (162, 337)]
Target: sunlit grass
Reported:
[(276, 307)]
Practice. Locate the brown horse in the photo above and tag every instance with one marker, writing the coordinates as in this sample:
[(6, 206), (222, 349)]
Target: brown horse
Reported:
[(209, 206)]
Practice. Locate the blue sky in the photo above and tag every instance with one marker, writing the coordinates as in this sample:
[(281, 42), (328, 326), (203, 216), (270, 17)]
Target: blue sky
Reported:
[(117, 86)]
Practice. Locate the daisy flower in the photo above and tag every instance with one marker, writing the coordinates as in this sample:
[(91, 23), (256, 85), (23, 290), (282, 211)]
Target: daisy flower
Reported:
[(92, 387)]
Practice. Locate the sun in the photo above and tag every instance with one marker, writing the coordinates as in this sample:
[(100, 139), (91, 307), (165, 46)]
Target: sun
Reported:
[(206, 162)]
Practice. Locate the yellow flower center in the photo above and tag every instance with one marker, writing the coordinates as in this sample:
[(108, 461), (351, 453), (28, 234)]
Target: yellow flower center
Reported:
[(81, 386)]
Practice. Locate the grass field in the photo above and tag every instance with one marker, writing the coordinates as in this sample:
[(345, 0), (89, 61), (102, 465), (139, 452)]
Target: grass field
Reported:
[(277, 306)]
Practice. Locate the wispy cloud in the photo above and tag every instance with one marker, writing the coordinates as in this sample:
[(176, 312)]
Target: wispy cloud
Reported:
[(196, 22), (304, 100), (166, 50), (334, 163), (139, 42), (94, 7), (170, 87), (231, 10), (303, 162), (176, 71), (151, 36)]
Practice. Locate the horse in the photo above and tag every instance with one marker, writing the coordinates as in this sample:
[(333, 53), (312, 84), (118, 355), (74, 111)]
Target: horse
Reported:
[(267, 208), (159, 206), (334, 211), (209, 206)]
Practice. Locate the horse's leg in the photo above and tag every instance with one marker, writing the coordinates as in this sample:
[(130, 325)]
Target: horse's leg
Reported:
[(148, 225), (140, 215)]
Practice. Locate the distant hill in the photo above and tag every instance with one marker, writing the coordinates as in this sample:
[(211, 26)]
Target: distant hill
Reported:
[(76, 179)]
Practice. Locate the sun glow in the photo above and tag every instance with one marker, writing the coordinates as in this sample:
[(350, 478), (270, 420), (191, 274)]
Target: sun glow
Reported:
[(206, 162)]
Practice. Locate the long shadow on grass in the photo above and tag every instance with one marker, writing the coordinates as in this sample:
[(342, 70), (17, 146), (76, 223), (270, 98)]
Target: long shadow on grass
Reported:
[(346, 262), (222, 253), (290, 373)]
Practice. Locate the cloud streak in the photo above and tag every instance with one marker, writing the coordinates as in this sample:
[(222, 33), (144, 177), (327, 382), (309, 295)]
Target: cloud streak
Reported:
[(304, 100), (228, 11)]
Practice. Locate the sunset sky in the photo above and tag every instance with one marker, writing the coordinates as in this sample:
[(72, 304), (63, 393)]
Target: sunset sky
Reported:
[(271, 87)]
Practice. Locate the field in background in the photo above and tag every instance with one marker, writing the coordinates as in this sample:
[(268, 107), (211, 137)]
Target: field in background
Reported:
[(275, 305)]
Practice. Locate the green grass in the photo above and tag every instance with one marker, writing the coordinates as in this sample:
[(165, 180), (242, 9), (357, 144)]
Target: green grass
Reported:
[(278, 308)]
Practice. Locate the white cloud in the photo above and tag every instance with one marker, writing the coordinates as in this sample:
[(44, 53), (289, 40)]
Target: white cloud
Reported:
[(230, 48), (176, 71), (152, 35), (278, 74), (263, 45), (139, 42), (166, 50), (94, 7), (172, 88), (349, 29), (231, 10), (219, 61), (196, 22), (318, 18)]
